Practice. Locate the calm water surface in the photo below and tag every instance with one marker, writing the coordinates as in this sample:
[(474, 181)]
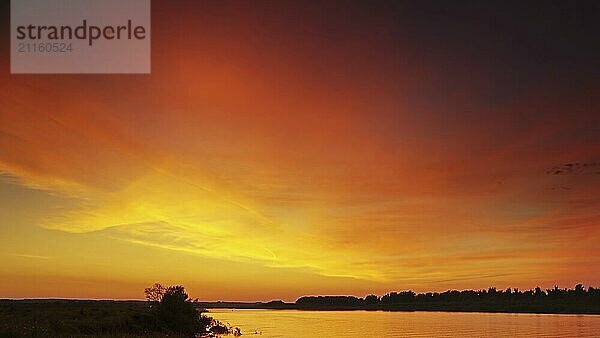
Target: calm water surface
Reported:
[(294, 323)]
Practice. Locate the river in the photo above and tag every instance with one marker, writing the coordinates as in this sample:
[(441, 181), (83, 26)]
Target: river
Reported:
[(295, 323)]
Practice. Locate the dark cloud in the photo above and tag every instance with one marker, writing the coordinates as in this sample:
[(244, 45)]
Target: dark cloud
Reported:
[(575, 168)]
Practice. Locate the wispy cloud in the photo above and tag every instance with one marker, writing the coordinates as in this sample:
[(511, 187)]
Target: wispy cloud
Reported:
[(22, 255)]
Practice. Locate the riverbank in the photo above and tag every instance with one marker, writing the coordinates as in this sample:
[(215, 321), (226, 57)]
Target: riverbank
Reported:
[(79, 318)]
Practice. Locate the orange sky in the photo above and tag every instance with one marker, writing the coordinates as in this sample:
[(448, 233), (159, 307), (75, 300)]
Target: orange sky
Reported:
[(282, 150)]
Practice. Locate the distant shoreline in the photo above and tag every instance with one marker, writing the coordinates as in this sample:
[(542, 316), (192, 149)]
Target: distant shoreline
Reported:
[(293, 306), (551, 301)]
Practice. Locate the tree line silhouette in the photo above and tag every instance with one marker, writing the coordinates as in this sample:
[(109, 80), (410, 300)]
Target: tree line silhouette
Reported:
[(168, 312), (556, 300)]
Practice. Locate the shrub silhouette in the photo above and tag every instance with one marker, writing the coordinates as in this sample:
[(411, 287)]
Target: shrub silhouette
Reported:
[(176, 312)]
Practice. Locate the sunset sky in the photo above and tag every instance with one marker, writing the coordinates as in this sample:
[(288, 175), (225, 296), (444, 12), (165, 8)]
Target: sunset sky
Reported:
[(280, 149)]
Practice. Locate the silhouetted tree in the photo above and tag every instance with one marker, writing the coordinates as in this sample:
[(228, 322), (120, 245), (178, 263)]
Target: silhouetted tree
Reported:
[(371, 299), (177, 313), (155, 292), (539, 292)]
